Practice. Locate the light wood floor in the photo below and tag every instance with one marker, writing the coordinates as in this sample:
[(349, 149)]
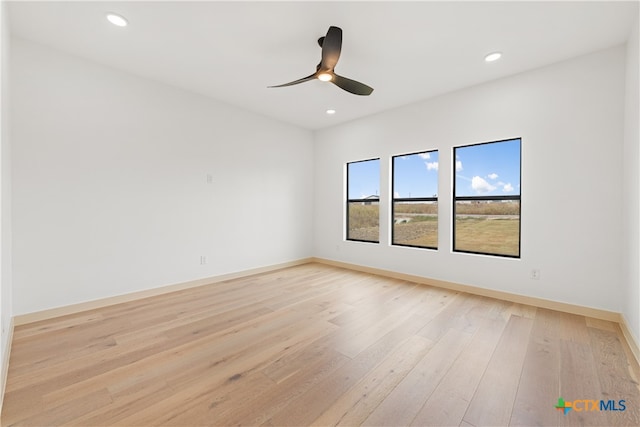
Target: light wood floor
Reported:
[(318, 345)]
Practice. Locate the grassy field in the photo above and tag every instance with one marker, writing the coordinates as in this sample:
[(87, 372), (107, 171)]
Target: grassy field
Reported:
[(364, 222), (416, 224), (487, 235), (510, 207), (488, 227), (492, 228), (420, 231), (416, 208)]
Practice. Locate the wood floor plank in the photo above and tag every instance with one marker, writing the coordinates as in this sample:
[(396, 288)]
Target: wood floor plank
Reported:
[(201, 404), (125, 404), (26, 332), (354, 406), (501, 377), (405, 401), (449, 401), (292, 363), (539, 386), (67, 412), (361, 315), (601, 324), (579, 381), (259, 410), (385, 321), (453, 315), (132, 351), (316, 344), (311, 404), (614, 376)]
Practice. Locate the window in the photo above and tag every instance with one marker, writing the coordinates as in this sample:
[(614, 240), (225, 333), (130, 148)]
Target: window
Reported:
[(486, 198), (415, 200), (363, 201)]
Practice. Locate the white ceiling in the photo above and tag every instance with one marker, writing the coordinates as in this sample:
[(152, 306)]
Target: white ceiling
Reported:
[(407, 51)]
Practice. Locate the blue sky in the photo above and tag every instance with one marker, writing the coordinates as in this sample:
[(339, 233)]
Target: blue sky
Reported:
[(416, 175), (481, 170), (364, 179), (488, 169)]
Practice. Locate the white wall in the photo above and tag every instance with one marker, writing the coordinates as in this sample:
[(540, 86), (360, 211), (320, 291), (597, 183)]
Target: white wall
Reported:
[(631, 188), (570, 118), (110, 192), (5, 199)]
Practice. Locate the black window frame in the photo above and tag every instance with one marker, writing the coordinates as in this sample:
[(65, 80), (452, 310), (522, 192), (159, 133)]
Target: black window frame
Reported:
[(408, 199), (360, 200), (456, 199)]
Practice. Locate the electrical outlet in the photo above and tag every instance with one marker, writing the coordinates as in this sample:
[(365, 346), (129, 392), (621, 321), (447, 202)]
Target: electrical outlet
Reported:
[(203, 259), (535, 274), (209, 178)]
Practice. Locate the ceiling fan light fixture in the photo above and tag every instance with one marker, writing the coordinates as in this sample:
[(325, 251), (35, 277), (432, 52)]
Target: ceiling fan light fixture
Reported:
[(117, 20), (493, 56), (331, 45), (331, 111)]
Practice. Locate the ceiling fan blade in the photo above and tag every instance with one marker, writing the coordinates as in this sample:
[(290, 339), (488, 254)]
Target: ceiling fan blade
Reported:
[(331, 47), (351, 86), (295, 82)]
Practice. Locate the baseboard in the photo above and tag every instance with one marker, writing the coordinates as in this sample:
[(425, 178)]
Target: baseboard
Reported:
[(37, 316), (501, 295), (630, 337), (5, 364)]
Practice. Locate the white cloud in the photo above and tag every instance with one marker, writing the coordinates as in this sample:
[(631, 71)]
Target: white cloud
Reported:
[(492, 176), (396, 194), (480, 186), (507, 188), (458, 165), (432, 165), (425, 155)]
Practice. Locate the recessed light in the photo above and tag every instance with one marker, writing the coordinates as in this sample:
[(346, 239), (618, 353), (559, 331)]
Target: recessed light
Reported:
[(117, 20), (494, 56), (325, 77), (331, 111)]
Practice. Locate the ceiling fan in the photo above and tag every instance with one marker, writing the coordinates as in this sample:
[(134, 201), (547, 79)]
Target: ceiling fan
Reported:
[(331, 45)]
